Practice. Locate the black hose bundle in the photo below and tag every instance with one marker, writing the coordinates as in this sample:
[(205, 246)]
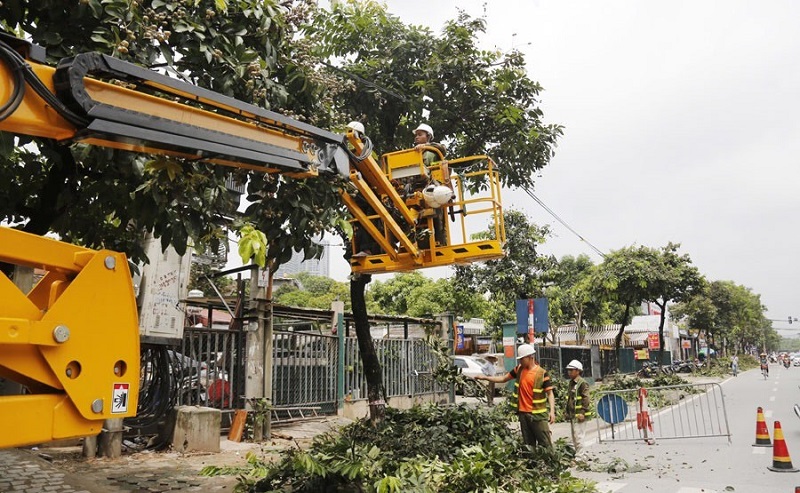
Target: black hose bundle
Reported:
[(365, 152), (157, 387), (22, 73)]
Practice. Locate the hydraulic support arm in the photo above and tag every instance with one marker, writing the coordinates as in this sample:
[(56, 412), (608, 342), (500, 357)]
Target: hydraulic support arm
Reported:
[(73, 341)]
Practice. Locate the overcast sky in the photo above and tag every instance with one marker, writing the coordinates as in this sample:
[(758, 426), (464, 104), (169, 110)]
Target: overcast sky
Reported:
[(682, 123)]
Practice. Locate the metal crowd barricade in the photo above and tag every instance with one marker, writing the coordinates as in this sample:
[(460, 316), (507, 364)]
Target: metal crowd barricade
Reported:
[(675, 411)]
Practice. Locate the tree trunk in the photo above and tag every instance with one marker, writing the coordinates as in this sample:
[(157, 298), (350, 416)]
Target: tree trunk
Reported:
[(661, 331), (369, 358), (618, 339), (580, 333)]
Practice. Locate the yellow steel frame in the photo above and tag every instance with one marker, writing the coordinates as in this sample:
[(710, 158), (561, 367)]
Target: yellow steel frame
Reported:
[(70, 340), (461, 250)]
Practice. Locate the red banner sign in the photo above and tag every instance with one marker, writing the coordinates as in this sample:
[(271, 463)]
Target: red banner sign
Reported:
[(652, 341)]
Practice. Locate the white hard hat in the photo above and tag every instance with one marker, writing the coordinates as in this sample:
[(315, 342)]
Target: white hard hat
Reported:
[(425, 128), (575, 365), (525, 350), (356, 126)]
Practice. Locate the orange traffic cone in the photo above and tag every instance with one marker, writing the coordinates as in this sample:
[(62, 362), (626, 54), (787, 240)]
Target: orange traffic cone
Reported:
[(762, 433), (781, 462)]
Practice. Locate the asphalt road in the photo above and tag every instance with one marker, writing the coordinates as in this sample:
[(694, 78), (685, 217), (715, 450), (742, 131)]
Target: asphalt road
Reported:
[(711, 465)]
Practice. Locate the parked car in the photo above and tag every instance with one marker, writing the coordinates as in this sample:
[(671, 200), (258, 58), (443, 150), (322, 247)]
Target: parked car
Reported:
[(470, 366)]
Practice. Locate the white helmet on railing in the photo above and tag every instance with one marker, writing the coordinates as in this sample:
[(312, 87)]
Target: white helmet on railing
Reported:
[(425, 128), (356, 127)]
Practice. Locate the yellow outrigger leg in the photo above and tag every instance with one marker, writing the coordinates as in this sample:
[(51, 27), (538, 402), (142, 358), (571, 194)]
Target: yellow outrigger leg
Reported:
[(72, 341)]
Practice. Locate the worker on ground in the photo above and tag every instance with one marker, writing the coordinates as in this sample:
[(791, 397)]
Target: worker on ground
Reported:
[(489, 369), (536, 405), (578, 405)]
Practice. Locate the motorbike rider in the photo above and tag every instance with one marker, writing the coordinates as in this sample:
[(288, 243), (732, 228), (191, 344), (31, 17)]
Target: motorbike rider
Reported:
[(764, 362)]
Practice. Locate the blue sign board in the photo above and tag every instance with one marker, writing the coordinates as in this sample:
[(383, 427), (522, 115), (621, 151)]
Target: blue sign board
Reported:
[(612, 408), (532, 313), (459, 337)]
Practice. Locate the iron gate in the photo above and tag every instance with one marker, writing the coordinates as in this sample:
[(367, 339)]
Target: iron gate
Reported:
[(304, 370)]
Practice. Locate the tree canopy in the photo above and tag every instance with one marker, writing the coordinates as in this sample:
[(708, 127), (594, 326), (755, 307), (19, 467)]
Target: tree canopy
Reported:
[(323, 66), (627, 276), (316, 292), (728, 315)]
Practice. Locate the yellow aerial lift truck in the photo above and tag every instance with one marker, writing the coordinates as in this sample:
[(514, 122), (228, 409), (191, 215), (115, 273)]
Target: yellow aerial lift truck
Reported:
[(73, 340)]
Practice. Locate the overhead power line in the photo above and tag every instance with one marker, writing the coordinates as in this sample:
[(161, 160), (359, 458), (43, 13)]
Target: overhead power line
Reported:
[(564, 223)]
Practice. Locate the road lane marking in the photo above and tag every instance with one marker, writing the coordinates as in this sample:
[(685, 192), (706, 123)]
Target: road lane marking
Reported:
[(759, 450), (768, 414), (772, 399), (775, 389)]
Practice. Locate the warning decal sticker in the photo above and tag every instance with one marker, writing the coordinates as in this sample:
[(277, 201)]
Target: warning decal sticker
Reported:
[(119, 402)]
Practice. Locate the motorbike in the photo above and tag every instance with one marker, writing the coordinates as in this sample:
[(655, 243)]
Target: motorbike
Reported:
[(683, 366), (797, 407)]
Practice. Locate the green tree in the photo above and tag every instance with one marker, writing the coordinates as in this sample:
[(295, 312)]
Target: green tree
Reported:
[(415, 295), (699, 313), (728, 314), (316, 292), (627, 276), (394, 295), (677, 280), (572, 296), (477, 100)]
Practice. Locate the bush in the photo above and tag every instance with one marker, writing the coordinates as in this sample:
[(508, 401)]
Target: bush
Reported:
[(668, 380), (424, 449)]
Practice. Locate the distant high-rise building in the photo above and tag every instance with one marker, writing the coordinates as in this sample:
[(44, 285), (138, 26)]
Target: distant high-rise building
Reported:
[(317, 267)]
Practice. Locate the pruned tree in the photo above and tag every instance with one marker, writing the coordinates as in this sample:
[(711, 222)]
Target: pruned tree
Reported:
[(476, 100), (354, 61)]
